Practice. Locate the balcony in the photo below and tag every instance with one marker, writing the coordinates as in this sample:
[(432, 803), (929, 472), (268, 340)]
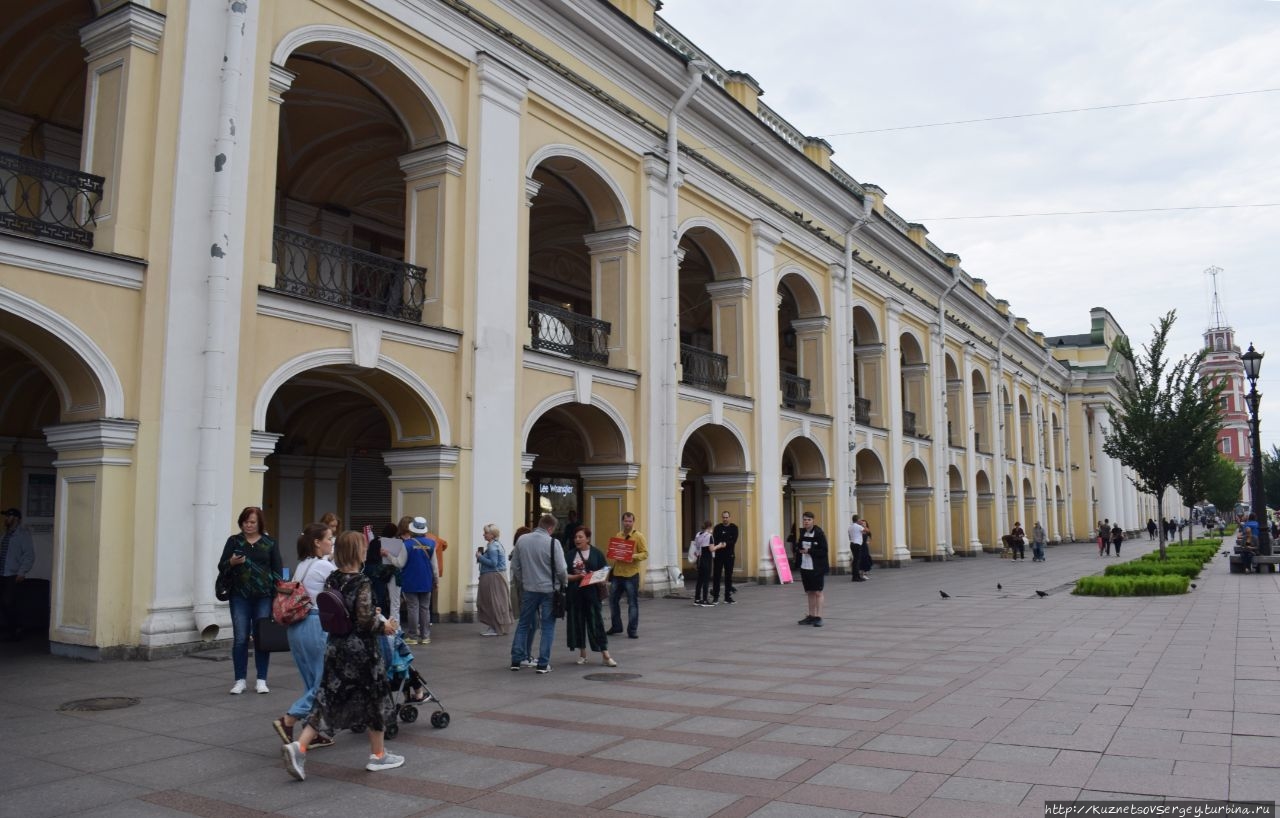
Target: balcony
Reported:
[(575, 336), (703, 368), (336, 274), (795, 392), (908, 423), (48, 201), (862, 411)]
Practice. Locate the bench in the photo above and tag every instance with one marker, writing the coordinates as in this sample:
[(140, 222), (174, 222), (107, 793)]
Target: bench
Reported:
[(1271, 561)]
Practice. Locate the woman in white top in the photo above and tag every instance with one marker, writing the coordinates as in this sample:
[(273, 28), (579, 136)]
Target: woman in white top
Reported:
[(306, 638)]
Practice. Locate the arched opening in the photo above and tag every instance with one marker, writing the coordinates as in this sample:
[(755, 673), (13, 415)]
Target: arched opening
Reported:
[(986, 512), (919, 520), (343, 430), (358, 144), (1026, 435), (579, 456), (48, 387), (982, 430), (915, 387), (802, 331), (712, 312), (714, 479), (1011, 512), (43, 77), (959, 509), (1006, 423), (578, 242), (805, 485), (872, 489), (869, 370), (1028, 504), (955, 404)]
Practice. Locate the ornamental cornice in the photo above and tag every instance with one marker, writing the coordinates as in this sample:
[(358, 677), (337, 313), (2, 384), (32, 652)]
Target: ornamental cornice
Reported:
[(729, 288), (130, 26), (92, 434), (443, 157), (619, 239)]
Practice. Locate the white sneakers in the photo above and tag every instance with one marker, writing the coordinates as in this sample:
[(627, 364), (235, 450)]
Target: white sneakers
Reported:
[(241, 686), (389, 761)]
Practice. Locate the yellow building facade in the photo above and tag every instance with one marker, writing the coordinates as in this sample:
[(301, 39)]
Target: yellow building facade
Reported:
[(477, 261)]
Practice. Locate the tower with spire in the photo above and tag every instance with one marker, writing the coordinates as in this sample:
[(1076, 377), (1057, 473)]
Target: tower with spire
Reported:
[(1223, 364)]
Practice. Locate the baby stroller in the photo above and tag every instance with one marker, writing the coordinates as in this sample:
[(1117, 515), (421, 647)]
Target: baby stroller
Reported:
[(408, 688)]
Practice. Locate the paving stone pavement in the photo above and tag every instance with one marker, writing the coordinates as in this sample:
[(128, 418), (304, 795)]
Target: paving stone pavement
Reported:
[(985, 704)]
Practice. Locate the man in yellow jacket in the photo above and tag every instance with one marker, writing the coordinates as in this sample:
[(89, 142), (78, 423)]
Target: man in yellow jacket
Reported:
[(624, 576)]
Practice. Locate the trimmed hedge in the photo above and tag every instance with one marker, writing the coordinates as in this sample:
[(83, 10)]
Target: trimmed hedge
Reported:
[(1151, 568), (1159, 585), (1196, 553)]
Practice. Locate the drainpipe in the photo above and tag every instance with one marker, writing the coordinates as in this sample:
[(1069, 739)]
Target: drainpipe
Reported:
[(851, 365), (671, 340), (215, 343), (1002, 508), (940, 425)]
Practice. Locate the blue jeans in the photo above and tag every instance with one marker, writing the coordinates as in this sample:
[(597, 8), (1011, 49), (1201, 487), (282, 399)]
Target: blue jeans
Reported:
[(631, 585), (1037, 550), (243, 613), (534, 605), (306, 643)]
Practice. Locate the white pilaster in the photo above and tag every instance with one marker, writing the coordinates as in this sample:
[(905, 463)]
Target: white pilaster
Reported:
[(842, 406), (767, 388), (944, 537), (897, 481), (499, 197), (970, 455), (658, 387)]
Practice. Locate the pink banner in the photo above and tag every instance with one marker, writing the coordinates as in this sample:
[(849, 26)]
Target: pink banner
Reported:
[(779, 551)]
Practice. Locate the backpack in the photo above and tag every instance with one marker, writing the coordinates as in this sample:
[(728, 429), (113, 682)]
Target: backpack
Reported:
[(292, 603), (335, 618)]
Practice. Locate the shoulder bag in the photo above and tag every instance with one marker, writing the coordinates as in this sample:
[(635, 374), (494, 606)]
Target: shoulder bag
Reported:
[(335, 617), (292, 603)]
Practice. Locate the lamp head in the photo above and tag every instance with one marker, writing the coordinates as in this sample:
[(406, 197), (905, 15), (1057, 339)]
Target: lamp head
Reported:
[(1252, 363)]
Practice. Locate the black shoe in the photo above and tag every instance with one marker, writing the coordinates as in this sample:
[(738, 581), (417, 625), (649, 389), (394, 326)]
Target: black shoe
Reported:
[(817, 622), (612, 631), (858, 579), (729, 602), (542, 669), (515, 667), (633, 636), (808, 620)]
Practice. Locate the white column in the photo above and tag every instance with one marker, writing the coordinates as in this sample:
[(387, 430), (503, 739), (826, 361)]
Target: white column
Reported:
[(970, 455), (842, 404), (499, 196), (1020, 498), (767, 389), (1041, 487), (1052, 499), (1001, 463), (897, 483), (659, 521), (1106, 474), (944, 537)]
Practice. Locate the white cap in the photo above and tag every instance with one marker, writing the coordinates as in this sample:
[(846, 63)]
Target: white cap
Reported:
[(418, 526)]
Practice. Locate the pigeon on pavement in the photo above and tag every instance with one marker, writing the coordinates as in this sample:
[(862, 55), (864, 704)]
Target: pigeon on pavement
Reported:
[(944, 594)]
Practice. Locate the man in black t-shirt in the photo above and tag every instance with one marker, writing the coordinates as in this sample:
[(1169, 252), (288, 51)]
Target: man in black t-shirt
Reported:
[(811, 550), (725, 535)]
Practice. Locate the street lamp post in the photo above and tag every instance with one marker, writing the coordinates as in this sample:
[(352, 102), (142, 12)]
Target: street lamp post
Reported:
[(1252, 366)]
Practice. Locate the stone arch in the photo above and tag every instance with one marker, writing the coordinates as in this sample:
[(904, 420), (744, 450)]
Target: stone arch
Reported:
[(714, 243), (955, 480), (807, 458), (865, 328), (982, 483), (593, 436), (951, 368), (805, 291), (913, 352), (388, 377), (726, 445), (583, 174), (425, 124), (915, 475), (868, 468), (83, 375)]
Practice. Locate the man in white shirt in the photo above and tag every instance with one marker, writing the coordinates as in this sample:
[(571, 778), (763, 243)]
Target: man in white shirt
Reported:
[(856, 545)]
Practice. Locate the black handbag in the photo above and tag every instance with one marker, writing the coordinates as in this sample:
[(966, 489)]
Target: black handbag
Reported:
[(269, 636), (222, 585)]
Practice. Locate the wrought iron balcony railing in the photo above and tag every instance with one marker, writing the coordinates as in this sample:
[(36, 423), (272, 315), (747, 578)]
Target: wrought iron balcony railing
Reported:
[(862, 411), (337, 274), (47, 201), (575, 336), (704, 368), (908, 422), (795, 392)]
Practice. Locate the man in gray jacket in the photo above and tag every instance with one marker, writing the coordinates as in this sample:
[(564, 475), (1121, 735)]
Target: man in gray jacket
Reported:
[(537, 563), (17, 556)]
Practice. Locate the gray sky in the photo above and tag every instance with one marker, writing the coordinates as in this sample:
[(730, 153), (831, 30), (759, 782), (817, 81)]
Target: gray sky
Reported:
[(831, 68)]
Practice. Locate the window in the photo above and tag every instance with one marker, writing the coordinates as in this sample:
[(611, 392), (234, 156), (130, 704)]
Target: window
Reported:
[(1226, 445)]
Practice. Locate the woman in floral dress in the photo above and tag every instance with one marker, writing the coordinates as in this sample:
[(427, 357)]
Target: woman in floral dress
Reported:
[(353, 693)]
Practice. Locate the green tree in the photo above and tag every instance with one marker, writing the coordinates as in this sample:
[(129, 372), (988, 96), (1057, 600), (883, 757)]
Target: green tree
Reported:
[(1223, 483), (1168, 415), (1192, 483), (1271, 476)]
